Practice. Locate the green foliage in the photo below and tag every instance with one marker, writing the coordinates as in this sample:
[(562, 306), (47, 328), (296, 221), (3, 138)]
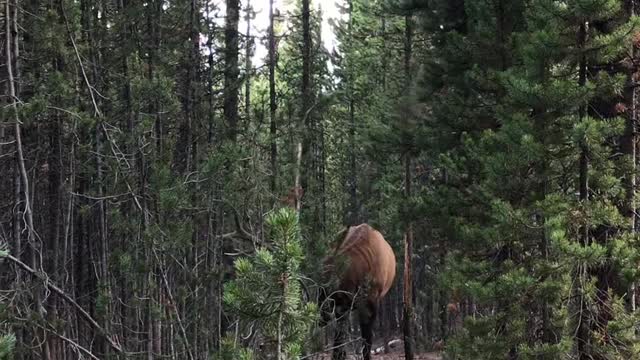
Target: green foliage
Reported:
[(7, 344), (267, 287), (230, 350), (510, 123), (4, 249), (494, 118), (7, 337)]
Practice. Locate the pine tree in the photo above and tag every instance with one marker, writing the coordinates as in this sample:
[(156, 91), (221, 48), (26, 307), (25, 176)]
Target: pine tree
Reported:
[(512, 165), (267, 287)]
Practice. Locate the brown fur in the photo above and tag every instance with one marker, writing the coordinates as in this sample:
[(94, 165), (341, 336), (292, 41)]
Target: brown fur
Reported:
[(438, 345), (362, 261), (294, 194), (368, 256)]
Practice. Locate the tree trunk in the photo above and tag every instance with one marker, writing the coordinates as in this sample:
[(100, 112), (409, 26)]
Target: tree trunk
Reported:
[(629, 149), (210, 35), (352, 213), (185, 149), (12, 70), (582, 338), (247, 66), (272, 101), (302, 135), (407, 326), (408, 236), (230, 104), (352, 181)]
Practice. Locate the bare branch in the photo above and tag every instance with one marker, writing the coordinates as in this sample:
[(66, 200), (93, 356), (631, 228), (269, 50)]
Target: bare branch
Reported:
[(165, 282), (84, 73), (66, 297), (73, 343)]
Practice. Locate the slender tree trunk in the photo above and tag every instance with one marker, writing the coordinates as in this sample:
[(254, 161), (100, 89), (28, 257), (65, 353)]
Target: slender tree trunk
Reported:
[(55, 180), (12, 59), (272, 101), (298, 177), (212, 210), (408, 237), (302, 133), (231, 69), (352, 181), (384, 59), (154, 16), (629, 148), (323, 179), (547, 334), (184, 150), (407, 297), (582, 338), (12, 70), (248, 66), (103, 246), (352, 213), (210, 37)]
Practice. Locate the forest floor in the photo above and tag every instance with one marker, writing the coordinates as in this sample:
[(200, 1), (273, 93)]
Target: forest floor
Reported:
[(396, 353)]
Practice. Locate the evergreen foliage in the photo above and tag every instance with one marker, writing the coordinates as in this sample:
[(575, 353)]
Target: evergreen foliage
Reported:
[(508, 129), (267, 287), (148, 168), (7, 344)]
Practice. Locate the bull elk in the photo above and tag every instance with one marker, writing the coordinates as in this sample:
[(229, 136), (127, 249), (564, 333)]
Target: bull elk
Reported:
[(361, 268)]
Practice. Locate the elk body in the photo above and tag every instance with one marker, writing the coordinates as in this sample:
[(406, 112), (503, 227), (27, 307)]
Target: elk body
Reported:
[(361, 268)]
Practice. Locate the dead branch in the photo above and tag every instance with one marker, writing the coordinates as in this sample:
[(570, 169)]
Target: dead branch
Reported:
[(240, 232), (84, 73), (66, 297), (391, 344), (14, 107), (332, 348), (72, 343), (165, 282)]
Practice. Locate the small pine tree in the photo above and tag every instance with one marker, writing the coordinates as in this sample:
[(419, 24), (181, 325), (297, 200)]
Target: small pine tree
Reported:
[(267, 287), (8, 340), (229, 350)]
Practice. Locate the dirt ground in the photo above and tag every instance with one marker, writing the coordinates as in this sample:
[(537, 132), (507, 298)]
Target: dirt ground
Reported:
[(396, 353), (390, 356)]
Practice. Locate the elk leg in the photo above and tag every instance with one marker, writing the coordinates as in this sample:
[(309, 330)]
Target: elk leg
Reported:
[(367, 318), (339, 352)]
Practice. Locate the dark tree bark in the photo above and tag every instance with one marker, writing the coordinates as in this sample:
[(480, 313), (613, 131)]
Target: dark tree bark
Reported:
[(210, 98), (247, 65), (352, 214), (629, 144), (306, 60), (21, 208), (352, 180), (272, 101), (303, 136), (154, 17), (231, 71), (185, 151)]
